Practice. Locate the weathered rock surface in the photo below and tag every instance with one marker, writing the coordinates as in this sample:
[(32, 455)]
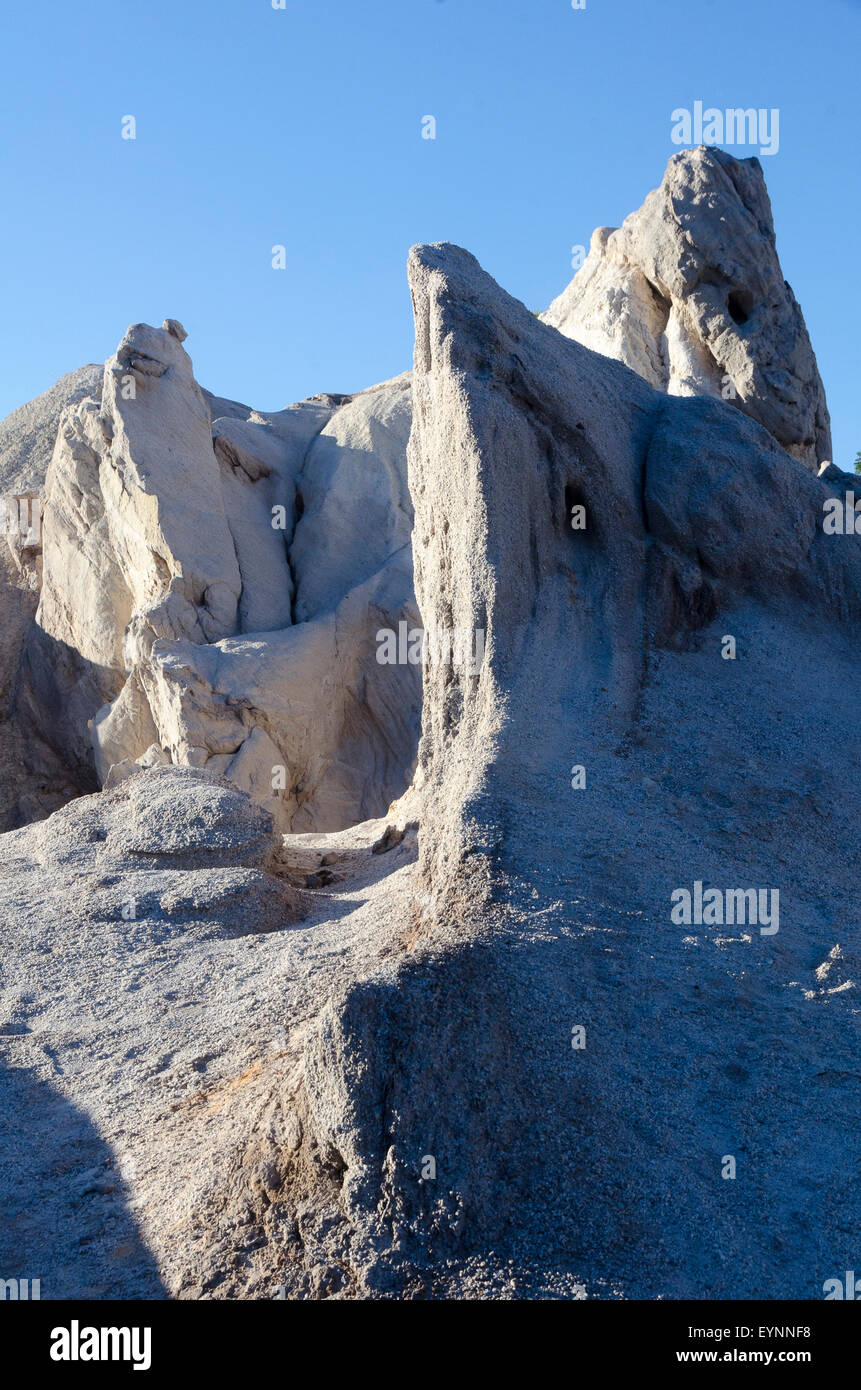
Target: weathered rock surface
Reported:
[(689, 292), (357, 511), (206, 581), (26, 442), (311, 700), (160, 543), (484, 1059), (27, 435), (541, 909)]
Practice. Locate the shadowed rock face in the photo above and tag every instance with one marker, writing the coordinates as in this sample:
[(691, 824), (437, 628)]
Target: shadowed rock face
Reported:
[(690, 510), (26, 442), (689, 292), (80, 1233), (541, 909)]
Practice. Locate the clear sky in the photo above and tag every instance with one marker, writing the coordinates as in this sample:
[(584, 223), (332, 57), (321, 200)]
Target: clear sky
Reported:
[(302, 126)]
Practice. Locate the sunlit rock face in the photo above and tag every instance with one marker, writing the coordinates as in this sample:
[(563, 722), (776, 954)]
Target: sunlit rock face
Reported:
[(212, 590), (689, 293)]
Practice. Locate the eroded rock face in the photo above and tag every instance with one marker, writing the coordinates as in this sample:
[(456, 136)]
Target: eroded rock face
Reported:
[(158, 980), (212, 589), (556, 1041), (33, 781), (311, 700), (505, 1069), (173, 612), (689, 293), (693, 511), (356, 507)]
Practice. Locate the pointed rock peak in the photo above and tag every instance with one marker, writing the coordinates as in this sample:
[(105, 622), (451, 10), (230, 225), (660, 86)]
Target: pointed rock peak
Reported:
[(689, 292)]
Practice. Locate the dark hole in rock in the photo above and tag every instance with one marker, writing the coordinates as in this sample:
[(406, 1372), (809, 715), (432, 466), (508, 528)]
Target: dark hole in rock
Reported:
[(740, 305)]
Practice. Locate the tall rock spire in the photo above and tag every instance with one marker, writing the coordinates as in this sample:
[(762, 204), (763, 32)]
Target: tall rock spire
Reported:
[(690, 293)]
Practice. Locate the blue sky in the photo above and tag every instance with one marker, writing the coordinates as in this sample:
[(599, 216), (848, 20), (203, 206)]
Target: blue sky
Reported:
[(302, 127)]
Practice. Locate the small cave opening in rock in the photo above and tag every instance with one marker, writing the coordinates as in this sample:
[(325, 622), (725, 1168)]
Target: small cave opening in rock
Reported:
[(740, 305)]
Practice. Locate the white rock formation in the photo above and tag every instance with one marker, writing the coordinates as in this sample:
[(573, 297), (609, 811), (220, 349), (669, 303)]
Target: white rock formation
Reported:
[(689, 293), (294, 1080), (213, 588), (173, 613), (232, 1107), (577, 1060), (33, 781), (356, 506)]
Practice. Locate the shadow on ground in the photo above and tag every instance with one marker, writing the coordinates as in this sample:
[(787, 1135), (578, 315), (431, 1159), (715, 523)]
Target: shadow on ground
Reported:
[(64, 1214)]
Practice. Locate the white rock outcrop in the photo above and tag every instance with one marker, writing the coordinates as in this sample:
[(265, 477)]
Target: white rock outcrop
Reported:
[(175, 615), (689, 293), (212, 588), (485, 1060), (33, 781), (575, 1056)]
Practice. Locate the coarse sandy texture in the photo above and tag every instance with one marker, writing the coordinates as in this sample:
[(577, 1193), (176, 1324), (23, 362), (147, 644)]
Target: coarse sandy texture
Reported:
[(216, 579), (152, 1062), (541, 908), (27, 435)]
